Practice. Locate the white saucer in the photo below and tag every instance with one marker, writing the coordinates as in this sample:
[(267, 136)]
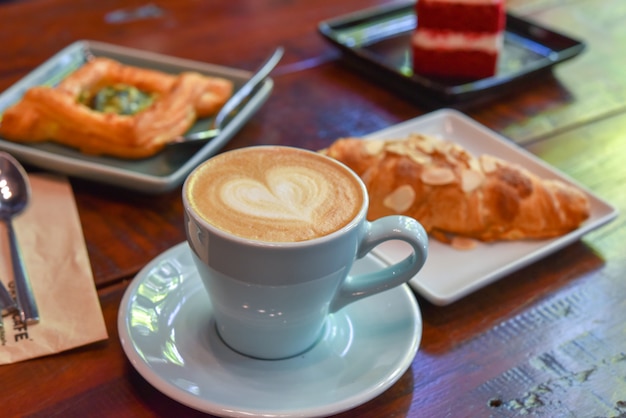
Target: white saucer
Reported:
[(167, 331)]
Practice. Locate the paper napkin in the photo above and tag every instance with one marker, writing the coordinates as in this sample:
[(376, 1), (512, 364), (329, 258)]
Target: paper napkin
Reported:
[(53, 247)]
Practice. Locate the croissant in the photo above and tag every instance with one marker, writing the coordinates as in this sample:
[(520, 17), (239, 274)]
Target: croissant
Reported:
[(454, 194), (171, 103)]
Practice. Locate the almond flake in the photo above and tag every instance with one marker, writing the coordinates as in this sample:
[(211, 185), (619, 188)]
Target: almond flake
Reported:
[(471, 180), (474, 164), (423, 143), (437, 176), (374, 146), (463, 243), (451, 158), (443, 147), (401, 199), (488, 163), (419, 158), (397, 147)]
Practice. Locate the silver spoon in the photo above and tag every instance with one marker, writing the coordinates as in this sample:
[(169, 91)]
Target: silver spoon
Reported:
[(236, 99), (14, 197), (7, 304)]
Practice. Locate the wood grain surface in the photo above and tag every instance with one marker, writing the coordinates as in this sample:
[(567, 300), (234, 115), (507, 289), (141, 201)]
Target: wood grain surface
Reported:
[(548, 340)]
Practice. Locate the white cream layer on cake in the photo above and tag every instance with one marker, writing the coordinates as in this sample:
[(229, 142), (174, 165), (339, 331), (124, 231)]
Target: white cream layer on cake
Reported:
[(481, 2), (442, 40)]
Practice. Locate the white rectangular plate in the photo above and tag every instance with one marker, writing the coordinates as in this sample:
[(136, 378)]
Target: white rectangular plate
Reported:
[(157, 174), (451, 274)]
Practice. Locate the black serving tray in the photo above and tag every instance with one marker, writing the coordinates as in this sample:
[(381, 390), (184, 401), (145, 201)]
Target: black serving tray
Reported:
[(377, 42)]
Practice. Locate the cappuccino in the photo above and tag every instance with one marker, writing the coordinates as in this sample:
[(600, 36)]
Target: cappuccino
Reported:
[(275, 194)]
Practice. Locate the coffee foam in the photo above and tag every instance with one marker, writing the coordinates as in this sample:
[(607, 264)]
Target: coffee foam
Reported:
[(274, 194)]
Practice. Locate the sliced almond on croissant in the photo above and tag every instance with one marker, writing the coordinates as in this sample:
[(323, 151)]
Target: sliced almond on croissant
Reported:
[(471, 180), (401, 199), (437, 176)]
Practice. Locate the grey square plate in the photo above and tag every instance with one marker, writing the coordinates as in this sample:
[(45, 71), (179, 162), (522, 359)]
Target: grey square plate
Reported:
[(160, 173)]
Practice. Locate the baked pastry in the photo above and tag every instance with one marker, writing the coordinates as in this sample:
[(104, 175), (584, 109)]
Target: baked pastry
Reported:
[(458, 38), (109, 108), (454, 194)]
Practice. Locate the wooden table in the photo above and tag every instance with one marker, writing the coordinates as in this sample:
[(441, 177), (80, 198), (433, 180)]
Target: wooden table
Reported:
[(548, 340)]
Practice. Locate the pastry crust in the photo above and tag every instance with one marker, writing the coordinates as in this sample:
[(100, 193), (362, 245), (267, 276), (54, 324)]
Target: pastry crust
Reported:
[(46, 113), (454, 194)]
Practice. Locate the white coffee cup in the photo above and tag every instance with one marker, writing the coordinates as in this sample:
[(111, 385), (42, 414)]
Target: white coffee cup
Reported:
[(273, 267)]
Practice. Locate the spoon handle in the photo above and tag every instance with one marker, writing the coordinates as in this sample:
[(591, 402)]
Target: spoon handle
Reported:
[(7, 304), (23, 289)]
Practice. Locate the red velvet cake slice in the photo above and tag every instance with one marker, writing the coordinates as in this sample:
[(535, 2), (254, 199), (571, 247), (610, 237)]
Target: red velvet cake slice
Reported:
[(458, 38)]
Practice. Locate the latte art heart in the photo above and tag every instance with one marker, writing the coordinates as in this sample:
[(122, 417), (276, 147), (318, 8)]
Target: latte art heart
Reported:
[(288, 193), (275, 194)]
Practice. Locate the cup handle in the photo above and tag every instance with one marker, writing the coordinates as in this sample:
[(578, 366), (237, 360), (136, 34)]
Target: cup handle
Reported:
[(384, 229)]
